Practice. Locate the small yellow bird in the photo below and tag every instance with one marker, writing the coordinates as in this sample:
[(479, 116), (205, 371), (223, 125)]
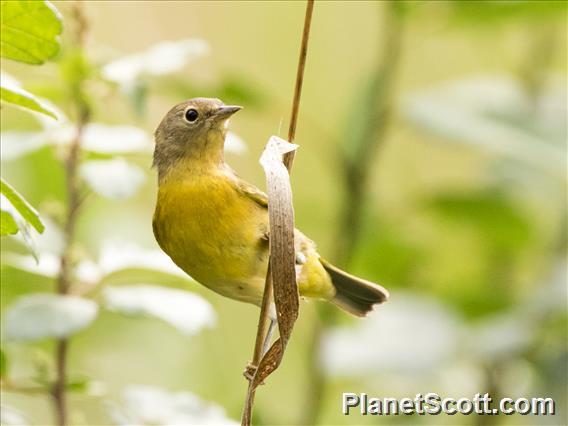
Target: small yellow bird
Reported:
[(214, 225)]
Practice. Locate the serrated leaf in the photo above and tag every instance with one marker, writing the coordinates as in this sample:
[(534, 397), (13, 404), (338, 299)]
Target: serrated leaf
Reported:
[(8, 225), (41, 316), (184, 310), (23, 99), (30, 31), (21, 205)]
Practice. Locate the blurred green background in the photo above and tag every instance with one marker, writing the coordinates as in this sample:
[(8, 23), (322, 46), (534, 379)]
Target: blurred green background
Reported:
[(452, 114)]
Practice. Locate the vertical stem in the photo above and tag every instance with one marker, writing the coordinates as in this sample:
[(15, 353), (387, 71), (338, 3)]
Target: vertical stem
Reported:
[(258, 347), (65, 274), (267, 297), (356, 172), (299, 80), (58, 392), (65, 277)]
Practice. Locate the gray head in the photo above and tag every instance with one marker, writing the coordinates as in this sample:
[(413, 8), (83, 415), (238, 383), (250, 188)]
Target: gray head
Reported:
[(194, 128)]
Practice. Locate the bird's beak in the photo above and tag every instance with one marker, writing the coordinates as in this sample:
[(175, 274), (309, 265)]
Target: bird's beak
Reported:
[(226, 111)]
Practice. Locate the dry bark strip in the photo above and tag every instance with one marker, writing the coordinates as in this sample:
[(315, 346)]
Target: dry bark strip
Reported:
[(282, 254), (281, 273)]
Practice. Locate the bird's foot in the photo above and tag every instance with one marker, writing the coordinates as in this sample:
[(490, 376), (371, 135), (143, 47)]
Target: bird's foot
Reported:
[(250, 371)]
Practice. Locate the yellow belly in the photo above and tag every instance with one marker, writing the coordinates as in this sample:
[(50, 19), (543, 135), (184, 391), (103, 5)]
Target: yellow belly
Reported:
[(213, 233), (216, 234)]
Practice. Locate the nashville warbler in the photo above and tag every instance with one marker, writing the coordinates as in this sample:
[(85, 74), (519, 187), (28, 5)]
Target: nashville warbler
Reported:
[(214, 225)]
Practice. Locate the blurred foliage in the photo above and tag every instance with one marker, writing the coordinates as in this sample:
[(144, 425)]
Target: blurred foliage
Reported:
[(491, 12), (495, 218), (465, 201)]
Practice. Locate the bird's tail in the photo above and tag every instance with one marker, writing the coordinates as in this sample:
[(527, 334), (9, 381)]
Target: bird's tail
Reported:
[(353, 294)]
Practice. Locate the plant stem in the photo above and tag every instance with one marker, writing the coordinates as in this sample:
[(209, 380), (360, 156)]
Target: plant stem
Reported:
[(258, 347), (288, 161), (58, 391), (289, 157), (65, 277), (377, 99)]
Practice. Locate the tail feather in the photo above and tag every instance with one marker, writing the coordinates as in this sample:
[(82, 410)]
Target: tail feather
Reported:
[(353, 294)]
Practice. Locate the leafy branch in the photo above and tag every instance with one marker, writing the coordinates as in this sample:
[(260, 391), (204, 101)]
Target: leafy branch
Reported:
[(82, 283), (30, 34)]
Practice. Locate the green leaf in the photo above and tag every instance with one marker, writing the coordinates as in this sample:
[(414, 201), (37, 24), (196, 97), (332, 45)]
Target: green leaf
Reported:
[(8, 225), (30, 31), (21, 98), (21, 205)]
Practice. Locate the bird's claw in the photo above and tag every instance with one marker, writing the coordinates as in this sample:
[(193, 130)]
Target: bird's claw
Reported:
[(250, 371)]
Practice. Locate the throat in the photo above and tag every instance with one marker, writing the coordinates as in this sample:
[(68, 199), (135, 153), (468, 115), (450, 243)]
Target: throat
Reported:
[(197, 158)]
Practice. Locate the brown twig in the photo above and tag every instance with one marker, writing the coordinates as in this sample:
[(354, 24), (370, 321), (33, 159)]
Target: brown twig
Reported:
[(285, 272), (258, 347), (64, 279), (289, 157)]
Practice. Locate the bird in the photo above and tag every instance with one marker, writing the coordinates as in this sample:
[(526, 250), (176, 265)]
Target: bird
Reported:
[(214, 225)]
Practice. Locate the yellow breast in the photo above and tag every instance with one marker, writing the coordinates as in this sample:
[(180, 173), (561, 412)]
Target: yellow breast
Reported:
[(213, 233)]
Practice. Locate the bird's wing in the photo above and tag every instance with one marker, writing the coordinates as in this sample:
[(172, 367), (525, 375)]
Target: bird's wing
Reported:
[(253, 193), (246, 188)]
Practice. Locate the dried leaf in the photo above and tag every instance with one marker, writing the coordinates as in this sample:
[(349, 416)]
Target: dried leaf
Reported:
[(281, 217)]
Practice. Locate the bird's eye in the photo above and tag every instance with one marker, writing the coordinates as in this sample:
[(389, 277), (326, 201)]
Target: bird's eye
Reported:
[(191, 115)]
